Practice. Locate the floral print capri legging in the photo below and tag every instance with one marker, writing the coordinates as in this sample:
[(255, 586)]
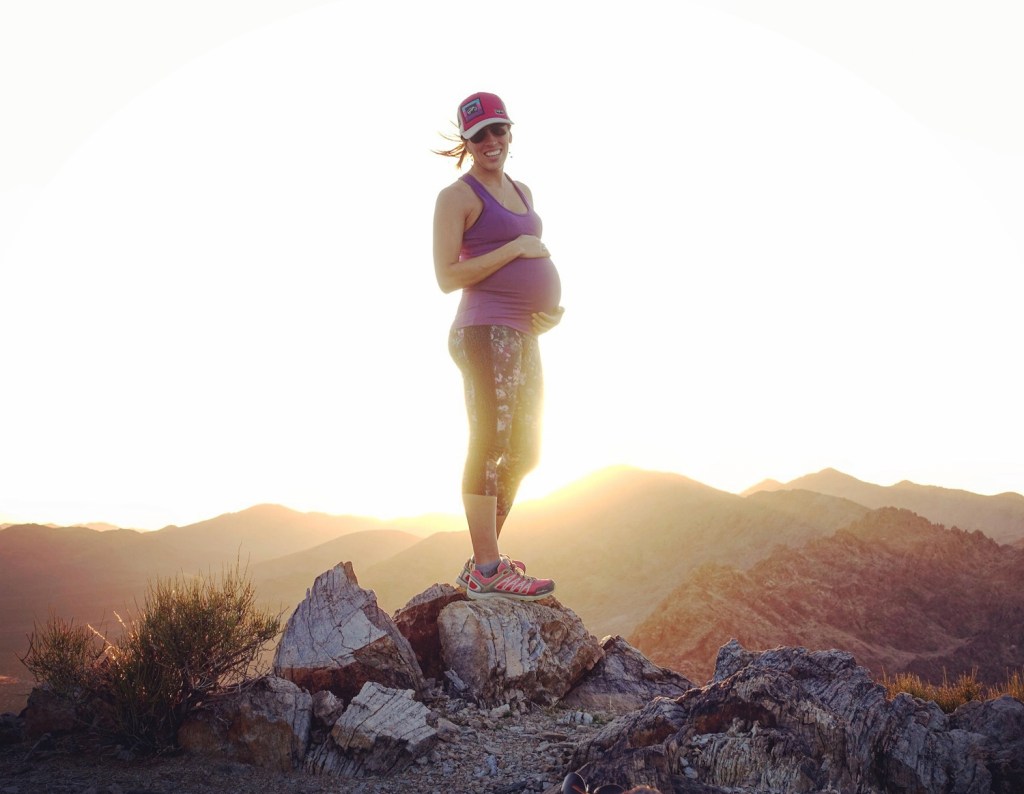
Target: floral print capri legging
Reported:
[(504, 393)]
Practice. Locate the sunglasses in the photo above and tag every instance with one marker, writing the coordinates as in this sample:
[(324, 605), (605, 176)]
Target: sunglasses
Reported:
[(498, 130)]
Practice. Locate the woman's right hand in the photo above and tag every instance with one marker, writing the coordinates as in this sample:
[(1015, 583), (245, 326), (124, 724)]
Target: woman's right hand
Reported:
[(533, 247)]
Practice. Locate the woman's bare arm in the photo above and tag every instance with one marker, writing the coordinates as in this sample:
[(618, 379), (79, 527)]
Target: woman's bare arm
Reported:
[(451, 211)]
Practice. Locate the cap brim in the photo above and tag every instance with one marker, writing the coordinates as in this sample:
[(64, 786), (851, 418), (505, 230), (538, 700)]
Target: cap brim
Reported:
[(481, 124)]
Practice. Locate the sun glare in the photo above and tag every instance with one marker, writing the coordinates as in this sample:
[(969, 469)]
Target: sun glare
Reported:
[(226, 296)]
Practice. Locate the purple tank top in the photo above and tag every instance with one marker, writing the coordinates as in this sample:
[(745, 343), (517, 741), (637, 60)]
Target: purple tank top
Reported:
[(524, 286)]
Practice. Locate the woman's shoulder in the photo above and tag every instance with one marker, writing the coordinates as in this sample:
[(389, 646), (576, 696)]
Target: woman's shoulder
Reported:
[(523, 187), (457, 188), (455, 194)]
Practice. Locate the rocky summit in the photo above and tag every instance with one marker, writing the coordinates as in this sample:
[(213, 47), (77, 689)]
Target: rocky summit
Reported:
[(467, 697)]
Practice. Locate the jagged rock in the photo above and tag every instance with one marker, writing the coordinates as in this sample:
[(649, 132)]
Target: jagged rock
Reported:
[(794, 721), (381, 732), (266, 724), (1001, 721), (732, 657), (508, 651), (327, 707), (417, 621), (338, 639), (50, 712), (624, 680)]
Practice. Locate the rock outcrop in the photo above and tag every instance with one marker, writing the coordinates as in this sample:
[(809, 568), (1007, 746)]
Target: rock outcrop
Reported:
[(417, 621), (338, 639), (506, 651), (48, 712), (790, 720), (266, 724), (497, 653), (786, 720), (381, 732), (624, 680)]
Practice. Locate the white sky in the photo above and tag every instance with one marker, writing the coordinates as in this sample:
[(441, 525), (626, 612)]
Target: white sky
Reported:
[(789, 234)]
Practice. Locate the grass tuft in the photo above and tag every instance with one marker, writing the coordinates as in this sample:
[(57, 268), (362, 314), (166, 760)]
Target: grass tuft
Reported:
[(951, 695)]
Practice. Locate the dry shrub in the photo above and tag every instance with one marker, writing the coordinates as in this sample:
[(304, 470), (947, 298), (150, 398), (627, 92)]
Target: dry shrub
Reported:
[(949, 696), (192, 636), (62, 654)]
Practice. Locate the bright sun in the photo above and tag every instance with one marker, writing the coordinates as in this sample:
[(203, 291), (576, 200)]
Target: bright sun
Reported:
[(227, 297)]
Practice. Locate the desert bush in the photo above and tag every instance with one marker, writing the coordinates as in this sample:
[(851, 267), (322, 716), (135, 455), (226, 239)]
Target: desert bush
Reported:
[(1015, 685), (191, 637), (949, 696), (62, 654)]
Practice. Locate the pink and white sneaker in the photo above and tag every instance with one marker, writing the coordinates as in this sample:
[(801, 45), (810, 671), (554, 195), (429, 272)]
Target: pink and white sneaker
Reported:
[(507, 582), (462, 580)]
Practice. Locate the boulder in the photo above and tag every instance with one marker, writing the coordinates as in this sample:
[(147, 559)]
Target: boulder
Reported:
[(789, 720), (338, 639), (505, 651), (380, 733), (50, 712), (264, 724), (417, 621), (624, 680)]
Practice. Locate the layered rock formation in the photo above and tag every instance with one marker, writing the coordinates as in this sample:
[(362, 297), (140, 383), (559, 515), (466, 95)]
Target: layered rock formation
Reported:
[(512, 678), (505, 651), (791, 720), (338, 639)]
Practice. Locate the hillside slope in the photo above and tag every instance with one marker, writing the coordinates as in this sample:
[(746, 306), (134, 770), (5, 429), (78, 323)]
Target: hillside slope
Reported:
[(619, 542), (1001, 517), (282, 583), (88, 575), (256, 534), (899, 592)]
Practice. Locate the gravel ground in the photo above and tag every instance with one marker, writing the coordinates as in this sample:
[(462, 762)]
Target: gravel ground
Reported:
[(526, 752)]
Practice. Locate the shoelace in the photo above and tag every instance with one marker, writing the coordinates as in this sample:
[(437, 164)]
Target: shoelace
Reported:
[(513, 574)]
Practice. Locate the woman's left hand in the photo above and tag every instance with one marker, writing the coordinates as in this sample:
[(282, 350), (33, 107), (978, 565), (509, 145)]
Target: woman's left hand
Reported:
[(543, 321)]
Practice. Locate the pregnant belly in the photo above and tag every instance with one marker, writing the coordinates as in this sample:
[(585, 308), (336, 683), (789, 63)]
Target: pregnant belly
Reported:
[(532, 285)]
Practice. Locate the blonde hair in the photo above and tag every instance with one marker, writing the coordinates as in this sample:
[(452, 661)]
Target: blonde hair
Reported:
[(459, 150)]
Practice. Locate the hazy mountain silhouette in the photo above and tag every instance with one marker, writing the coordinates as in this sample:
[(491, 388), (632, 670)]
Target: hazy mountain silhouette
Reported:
[(72, 572), (282, 582), (257, 534), (620, 541), (1000, 517), (88, 574), (899, 592), (99, 526)]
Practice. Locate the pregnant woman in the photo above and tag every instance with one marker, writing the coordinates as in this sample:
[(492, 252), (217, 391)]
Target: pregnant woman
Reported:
[(487, 243)]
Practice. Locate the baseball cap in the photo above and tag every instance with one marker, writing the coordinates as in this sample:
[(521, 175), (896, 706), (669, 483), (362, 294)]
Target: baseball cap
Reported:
[(478, 110)]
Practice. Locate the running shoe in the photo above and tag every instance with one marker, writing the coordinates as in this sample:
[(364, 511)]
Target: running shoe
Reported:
[(462, 580), (508, 582), (574, 784)]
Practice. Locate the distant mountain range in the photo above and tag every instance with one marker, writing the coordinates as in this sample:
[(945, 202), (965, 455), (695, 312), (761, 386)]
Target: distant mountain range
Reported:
[(626, 547), (900, 593), (1000, 517)]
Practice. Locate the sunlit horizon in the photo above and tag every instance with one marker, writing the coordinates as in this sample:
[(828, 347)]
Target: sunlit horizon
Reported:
[(535, 491), (779, 254)]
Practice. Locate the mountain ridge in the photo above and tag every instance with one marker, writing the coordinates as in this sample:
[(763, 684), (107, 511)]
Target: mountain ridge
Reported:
[(1000, 516), (899, 592), (598, 537)]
